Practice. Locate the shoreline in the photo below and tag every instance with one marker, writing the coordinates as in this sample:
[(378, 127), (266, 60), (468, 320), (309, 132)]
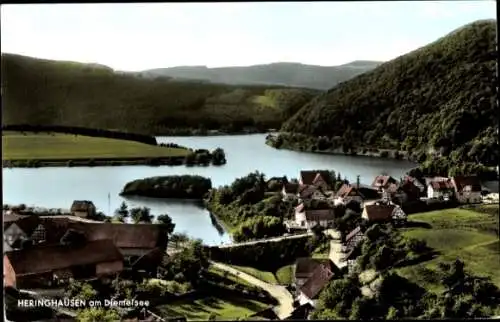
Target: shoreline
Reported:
[(99, 162)]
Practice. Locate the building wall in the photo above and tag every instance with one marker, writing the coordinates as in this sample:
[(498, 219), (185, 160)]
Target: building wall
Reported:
[(469, 197), (303, 299), (109, 268), (134, 251), (300, 217), (9, 276), (81, 214)]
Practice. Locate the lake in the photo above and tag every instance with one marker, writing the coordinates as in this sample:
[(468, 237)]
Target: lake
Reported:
[(58, 187)]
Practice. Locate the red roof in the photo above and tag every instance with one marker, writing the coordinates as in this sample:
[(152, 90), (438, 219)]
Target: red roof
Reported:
[(319, 279), (41, 259), (441, 185), (306, 191), (382, 181), (353, 233), (348, 190), (310, 176), (467, 183), (379, 212), (305, 266)]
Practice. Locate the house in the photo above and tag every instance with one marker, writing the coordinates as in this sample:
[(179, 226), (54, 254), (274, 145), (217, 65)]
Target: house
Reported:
[(58, 262), (383, 182), (309, 292), (467, 189), (383, 213), (411, 190), (416, 182), (440, 189), (353, 239), (306, 192), (305, 267), (18, 228), (349, 192), (309, 218), (83, 208), (290, 191), (320, 179)]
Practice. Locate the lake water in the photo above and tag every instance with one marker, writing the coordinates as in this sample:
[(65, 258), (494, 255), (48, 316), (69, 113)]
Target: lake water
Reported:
[(58, 187)]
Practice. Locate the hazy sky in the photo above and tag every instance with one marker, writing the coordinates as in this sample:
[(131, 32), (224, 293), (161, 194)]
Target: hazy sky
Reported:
[(142, 36)]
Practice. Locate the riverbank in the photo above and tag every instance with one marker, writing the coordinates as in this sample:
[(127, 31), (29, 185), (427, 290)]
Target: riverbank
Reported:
[(177, 187), (220, 132), (32, 150)]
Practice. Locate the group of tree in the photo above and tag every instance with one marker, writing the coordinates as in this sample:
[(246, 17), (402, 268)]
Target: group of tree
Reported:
[(464, 295), (205, 157), (142, 215), (250, 208), (438, 100), (175, 186)]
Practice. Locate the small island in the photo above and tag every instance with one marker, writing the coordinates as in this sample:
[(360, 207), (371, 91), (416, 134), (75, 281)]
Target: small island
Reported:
[(176, 187)]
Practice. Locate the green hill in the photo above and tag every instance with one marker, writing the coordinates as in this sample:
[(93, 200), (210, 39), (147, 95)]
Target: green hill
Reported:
[(44, 92), (439, 100), (287, 74)]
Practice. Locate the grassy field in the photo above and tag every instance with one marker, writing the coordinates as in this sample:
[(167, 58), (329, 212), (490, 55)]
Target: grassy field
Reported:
[(31, 146), (226, 275), (200, 309), (456, 233), (284, 275)]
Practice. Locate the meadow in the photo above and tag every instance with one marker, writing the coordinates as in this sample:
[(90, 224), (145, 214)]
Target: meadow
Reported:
[(468, 234), (59, 146)]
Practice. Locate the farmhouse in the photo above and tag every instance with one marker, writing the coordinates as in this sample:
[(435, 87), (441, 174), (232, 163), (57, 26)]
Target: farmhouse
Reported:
[(440, 188), (309, 218), (467, 189), (349, 192), (304, 269), (83, 208), (309, 292), (383, 213), (319, 179), (290, 191), (383, 182), (17, 229), (50, 263)]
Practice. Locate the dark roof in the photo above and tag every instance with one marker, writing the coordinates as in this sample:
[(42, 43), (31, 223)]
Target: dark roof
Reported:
[(82, 205), (348, 190), (441, 185), (353, 233), (379, 212), (40, 259), (124, 235), (309, 176), (467, 183), (305, 266), (27, 223), (306, 190), (383, 181), (55, 228), (320, 277), (291, 187), (320, 214)]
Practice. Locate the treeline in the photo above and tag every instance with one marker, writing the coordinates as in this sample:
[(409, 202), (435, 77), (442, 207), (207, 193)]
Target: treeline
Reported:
[(183, 186), (437, 101), (265, 256), (78, 130), (44, 92)]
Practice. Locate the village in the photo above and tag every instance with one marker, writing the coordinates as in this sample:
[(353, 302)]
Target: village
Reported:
[(47, 251)]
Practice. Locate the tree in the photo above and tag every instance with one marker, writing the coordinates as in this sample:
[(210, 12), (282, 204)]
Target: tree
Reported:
[(98, 314), (166, 221), (141, 214), (218, 157), (122, 213)]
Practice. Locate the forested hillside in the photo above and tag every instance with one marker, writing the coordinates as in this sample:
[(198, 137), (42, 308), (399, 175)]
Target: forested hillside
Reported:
[(44, 92), (287, 74), (438, 100)]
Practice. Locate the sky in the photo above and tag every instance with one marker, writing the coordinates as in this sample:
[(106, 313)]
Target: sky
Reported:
[(141, 36)]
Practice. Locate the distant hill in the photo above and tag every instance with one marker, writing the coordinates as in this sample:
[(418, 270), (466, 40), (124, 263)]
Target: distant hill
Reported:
[(439, 98), (286, 74), (45, 92)]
